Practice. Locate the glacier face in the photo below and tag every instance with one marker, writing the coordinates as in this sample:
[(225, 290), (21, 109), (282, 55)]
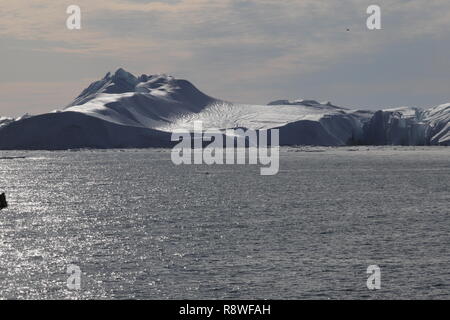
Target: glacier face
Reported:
[(122, 110), (409, 126)]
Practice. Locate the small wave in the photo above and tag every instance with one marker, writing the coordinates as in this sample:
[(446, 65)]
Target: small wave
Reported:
[(12, 158)]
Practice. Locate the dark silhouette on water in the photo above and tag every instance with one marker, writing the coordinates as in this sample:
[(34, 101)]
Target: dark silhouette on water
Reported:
[(3, 203)]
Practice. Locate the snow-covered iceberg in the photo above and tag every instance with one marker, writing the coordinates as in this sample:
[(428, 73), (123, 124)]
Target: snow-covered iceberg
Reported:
[(4, 121), (122, 111)]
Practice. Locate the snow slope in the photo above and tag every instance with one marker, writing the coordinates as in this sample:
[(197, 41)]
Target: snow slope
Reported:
[(122, 110), (4, 121), (147, 101), (438, 118)]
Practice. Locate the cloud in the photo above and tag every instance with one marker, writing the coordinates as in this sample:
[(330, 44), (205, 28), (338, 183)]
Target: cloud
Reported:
[(144, 25), (217, 42)]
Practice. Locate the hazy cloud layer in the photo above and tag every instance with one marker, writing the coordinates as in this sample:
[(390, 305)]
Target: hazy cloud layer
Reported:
[(241, 50)]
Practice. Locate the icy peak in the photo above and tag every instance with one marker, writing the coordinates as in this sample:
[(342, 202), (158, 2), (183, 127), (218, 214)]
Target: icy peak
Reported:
[(122, 81), (122, 71), (122, 75)]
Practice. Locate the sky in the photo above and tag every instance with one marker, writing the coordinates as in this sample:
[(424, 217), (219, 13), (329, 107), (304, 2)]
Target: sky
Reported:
[(248, 51)]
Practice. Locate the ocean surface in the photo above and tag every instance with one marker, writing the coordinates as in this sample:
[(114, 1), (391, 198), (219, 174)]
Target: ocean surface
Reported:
[(140, 227)]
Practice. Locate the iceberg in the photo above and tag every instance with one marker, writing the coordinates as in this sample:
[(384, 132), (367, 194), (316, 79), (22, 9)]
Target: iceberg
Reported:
[(124, 111)]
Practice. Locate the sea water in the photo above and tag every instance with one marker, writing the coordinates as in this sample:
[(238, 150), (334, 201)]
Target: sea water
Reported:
[(138, 226)]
